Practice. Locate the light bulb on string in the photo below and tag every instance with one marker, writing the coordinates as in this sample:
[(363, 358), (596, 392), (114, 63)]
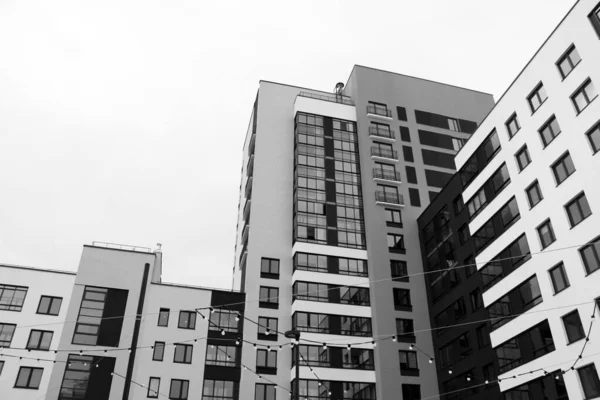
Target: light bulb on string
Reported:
[(349, 346), (324, 346), (222, 332), (431, 361), (393, 338), (212, 310), (410, 347), (237, 317), (373, 343), (450, 371), (267, 332)]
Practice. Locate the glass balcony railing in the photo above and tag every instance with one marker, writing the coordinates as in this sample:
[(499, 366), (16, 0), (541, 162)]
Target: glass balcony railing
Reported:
[(379, 110), (385, 153), (386, 175), (391, 198), (382, 133)]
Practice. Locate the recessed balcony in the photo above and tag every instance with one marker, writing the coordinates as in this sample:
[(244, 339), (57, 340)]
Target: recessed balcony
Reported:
[(247, 211), (245, 232), (243, 256), (250, 167), (248, 190), (385, 154), (376, 132), (379, 112), (251, 144), (389, 199), (386, 176)]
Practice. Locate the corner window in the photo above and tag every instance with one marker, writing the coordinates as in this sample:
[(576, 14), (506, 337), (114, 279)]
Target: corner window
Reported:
[(590, 254), (153, 387), (578, 209), (560, 280), (512, 125), (588, 376), (584, 96), (29, 378), (500, 179), (179, 389), (187, 320), (12, 297), (523, 158), (537, 97), (158, 352), (269, 268), (183, 353), (573, 327), (549, 131), (163, 317), (568, 62), (546, 234), (534, 194), (39, 340), (268, 297), (491, 145), (49, 305), (594, 138), (563, 168)]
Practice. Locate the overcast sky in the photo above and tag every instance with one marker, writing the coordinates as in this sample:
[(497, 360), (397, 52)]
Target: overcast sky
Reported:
[(123, 121)]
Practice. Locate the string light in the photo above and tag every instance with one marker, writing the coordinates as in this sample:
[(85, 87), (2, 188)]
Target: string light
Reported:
[(237, 317), (212, 310), (324, 346), (393, 338), (222, 332), (373, 343)]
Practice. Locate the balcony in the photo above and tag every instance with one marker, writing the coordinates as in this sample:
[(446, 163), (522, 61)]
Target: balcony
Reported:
[(384, 153), (379, 111), (331, 98), (247, 211), (248, 190), (389, 176), (250, 167), (389, 199), (252, 144), (245, 232), (376, 132), (243, 256)]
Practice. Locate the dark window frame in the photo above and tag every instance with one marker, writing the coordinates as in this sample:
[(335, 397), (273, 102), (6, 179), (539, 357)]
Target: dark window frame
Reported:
[(38, 345), (523, 151), (50, 305), (567, 57), (513, 118), (536, 93), (547, 223), (161, 313), (3, 325), (228, 353), (577, 201), (581, 90), (182, 394), (267, 359), (534, 185), (9, 306), (398, 239), (191, 322), (158, 347), (269, 301), (594, 245), (548, 126), (411, 365), (594, 142), (151, 393), (560, 268), (28, 384), (574, 319), (395, 222), (397, 267), (265, 323), (269, 274), (562, 162), (188, 353), (595, 390), (402, 300)]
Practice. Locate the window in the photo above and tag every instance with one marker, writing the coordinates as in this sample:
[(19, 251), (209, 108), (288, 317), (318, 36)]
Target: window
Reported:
[(179, 389), (408, 361), (311, 291), (573, 327), (568, 62), (512, 125), (267, 327), (408, 154), (12, 297), (458, 205), (269, 297), (1, 367), (541, 339), (187, 320), (6, 334), (90, 316), (396, 242), (49, 305), (401, 114), (354, 295), (459, 309), (508, 355), (219, 390), (590, 255), (584, 96), (356, 326), (594, 138), (183, 353), (266, 359), (399, 270), (402, 299), (477, 202), (489, 372), (534, 194), (311, 322), (509, 213), (153, 387), (588, 376), (560, 280), (537, 97), (221, 355), (378, 109), (224, 319), (491, 145), (523, 158), (404, 134), (159, 351), (578, 209), (411, 392), (549, 131), (264, 392), (546, 234), (413, 194), (463, 234), (458, 143), (357, 358), (39, 340), (411, 174), (350, 266), (530, 293), (483, 335), (387, 194), (500, 179), (29, 378), (269, 268), (405, 330), (393, 217), (314, 356), (476, 300), (163, 317)]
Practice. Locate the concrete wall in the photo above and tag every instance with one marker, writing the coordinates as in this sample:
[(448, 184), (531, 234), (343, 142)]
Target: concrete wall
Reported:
[(366, 85), (39, 282)]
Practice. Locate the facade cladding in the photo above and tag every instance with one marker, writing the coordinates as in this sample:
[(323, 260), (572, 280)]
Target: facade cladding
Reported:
[(113, 330)]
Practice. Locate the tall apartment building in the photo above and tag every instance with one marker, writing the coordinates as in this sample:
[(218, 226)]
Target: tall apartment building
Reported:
[(332, 187), (113, 330)]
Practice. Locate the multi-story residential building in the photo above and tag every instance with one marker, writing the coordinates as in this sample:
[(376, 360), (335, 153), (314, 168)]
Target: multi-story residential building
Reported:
[(113, 330), (529, 180), (325, 234)]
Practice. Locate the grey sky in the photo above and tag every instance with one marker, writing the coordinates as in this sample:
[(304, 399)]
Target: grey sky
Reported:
[(123, 121)]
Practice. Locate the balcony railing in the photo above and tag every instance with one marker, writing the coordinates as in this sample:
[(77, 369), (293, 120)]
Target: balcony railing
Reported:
[(382, 133), (378, 173), (247, 210), (390, 198), (385, 153), (250, 168), (331, 98), (377, 110), (245, 232), (251, 144), (248, 190)]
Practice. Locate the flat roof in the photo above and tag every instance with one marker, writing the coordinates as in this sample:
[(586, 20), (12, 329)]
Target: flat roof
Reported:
[(54, 271)]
